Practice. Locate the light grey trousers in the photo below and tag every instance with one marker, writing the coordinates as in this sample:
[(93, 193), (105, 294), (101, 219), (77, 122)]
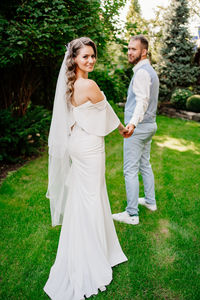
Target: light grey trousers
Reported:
[(137, 159)]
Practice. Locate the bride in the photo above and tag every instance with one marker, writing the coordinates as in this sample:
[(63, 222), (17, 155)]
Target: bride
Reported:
[(88, 245)]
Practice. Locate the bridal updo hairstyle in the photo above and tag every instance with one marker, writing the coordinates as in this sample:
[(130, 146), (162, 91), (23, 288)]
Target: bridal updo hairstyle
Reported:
[(74, 48)]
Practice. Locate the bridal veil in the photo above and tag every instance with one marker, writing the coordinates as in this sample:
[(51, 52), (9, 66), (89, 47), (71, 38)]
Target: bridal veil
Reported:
[(59, 161)]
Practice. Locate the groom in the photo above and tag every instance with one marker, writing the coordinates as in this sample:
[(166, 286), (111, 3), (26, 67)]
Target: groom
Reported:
[(140, 118)]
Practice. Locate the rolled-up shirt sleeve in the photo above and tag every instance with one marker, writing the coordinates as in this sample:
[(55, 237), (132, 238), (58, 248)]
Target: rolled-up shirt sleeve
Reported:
[(141, 88)]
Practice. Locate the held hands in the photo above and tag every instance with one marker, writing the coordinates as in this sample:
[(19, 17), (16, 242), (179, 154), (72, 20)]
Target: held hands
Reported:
[(127, 131), (130, 128)]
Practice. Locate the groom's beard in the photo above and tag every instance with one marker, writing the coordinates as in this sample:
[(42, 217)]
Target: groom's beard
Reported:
[(135, 60)]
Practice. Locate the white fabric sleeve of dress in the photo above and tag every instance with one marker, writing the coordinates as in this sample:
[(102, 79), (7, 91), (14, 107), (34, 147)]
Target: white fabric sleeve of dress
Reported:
[(100, 119)]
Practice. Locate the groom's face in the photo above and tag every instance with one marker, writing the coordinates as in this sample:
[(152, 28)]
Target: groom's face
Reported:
[(135, 50)]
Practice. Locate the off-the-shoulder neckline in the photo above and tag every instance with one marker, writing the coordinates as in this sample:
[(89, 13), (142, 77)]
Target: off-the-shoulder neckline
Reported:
[(87, 102)]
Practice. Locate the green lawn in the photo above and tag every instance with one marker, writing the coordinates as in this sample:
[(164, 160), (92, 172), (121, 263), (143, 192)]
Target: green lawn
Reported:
[(163, 250)]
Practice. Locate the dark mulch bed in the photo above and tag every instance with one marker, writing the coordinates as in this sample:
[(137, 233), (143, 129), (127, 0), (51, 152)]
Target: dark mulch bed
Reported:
[(5, 168)]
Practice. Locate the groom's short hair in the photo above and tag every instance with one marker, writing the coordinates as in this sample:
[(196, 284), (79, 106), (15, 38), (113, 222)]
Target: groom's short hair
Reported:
[(142, 39)]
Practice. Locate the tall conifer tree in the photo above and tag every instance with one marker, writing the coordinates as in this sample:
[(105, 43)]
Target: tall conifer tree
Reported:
[(176, 67)]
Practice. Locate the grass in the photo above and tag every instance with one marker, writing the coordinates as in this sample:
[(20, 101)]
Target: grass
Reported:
[(163, 250)]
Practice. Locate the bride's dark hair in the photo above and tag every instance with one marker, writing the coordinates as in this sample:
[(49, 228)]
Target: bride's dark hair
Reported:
[(73, 48)]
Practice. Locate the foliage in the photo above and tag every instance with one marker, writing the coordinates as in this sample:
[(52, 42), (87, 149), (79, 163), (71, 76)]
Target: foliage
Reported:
[(179, 97), (116, 107), (40, 28), (113, 72), (193, 103), (156, 30), (110, 17), (155, 33), (162, 251), (176, 68), (21, 137), (113, 83), (152, 29), (194, 6), (135, 23), (197, 61), (33, 39)]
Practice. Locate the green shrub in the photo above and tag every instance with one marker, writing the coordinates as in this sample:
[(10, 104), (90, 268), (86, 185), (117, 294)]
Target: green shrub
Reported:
[(116, 108), (193, 103), (179, 97), (21, 137), (113, 84)]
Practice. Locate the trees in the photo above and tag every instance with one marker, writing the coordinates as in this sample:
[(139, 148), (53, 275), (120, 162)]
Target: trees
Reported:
[(135, 23), (33, 35), (194, 6), (33, 41), (176, 67), (152, 29)]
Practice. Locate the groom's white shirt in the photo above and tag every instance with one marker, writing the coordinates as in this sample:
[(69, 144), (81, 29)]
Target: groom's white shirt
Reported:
[(141, 88)]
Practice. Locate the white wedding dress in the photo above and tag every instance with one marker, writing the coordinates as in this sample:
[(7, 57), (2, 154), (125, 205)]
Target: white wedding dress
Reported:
[(88, 246)]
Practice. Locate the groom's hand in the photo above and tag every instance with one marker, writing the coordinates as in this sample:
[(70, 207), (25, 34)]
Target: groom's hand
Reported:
[(123, 131), (130, 128)]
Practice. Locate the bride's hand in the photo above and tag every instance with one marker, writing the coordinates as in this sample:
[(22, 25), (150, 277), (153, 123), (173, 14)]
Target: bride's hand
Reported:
[(122, 130)]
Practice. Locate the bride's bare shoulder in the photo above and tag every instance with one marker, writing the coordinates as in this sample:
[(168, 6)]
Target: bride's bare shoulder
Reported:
[(85, 83), (89, 89)]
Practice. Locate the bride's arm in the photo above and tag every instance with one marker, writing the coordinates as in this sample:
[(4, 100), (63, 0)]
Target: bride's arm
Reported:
[(96, 96)]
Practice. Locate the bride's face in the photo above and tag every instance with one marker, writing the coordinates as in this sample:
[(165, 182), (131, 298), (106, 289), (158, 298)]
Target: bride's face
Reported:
[(86, 59)]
